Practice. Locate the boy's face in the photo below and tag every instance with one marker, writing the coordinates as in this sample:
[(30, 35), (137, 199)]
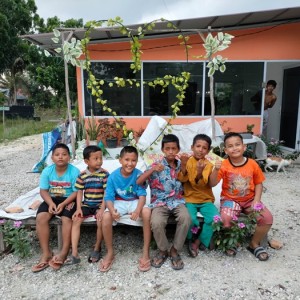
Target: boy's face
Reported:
[(170, 150), (234, 147), (128, 162), (95, 161), (270, 88), (200, 149), (60, 157)]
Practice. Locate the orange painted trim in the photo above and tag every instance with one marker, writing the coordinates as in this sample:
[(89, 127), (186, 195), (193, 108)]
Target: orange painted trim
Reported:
[(265, 43), (230, 123)]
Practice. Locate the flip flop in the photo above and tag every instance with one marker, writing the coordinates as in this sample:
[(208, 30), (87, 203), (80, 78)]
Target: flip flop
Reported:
[(174, 262), (193, 249), (157, 257), (40, 266), (94, 256), (56, 263), (231, 252), (105, 267), (258, 251), (145, 265), (72, 260)]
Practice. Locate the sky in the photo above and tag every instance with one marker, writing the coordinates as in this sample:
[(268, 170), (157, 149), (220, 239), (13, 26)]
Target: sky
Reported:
[(141, 11)]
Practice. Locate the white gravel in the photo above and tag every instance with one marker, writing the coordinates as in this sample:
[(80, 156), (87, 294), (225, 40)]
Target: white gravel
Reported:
[(210, 276)]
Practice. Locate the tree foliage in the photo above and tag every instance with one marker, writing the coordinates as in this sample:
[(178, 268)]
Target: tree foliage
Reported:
[(16, 18), (47, 73)]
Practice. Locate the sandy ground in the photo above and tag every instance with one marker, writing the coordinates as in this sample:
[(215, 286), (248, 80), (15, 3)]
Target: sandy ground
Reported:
[(210, 276)]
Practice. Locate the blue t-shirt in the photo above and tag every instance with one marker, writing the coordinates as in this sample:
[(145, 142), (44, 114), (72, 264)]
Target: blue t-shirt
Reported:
[(123, 188), (59, 186)]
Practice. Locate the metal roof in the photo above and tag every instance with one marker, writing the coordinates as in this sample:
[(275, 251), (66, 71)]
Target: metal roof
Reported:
[(215, 23)]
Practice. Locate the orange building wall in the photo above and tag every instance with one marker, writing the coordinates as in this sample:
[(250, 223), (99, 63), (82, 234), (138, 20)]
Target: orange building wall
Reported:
[(265, 43)]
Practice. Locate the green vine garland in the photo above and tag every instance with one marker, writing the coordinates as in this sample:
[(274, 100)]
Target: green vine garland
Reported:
[(180, 82), (73, 50)]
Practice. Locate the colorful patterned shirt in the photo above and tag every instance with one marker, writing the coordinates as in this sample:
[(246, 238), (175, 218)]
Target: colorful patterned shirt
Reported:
[(93, 185), (166, 189)]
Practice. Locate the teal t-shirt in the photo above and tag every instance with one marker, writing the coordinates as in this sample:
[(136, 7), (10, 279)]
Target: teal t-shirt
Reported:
[(59, 186)]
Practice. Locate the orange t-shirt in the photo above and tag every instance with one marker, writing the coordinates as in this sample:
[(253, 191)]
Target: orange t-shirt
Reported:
[(239, 181)]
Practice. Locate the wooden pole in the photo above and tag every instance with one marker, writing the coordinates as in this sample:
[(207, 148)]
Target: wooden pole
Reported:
[(68, 97)]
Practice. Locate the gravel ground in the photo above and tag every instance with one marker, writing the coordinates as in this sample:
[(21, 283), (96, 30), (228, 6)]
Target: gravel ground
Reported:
[(210, 276)]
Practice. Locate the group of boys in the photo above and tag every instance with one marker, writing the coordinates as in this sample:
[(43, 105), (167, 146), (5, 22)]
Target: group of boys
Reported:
[(180, 185)]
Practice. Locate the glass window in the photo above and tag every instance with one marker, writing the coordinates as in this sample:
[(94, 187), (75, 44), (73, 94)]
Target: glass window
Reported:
[(235, 89), (126, 101), (158, 103)]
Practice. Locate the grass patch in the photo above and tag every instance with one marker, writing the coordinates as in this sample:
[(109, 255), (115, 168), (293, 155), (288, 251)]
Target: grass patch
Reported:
[(16, 128)]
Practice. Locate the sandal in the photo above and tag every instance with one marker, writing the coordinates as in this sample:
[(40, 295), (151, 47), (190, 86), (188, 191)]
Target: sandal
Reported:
[(176, 262), (258, 253), (159, 257), (193, 249), (94, 256)]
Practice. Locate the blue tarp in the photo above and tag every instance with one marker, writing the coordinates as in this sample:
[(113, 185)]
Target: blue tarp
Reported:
[(49, 140)]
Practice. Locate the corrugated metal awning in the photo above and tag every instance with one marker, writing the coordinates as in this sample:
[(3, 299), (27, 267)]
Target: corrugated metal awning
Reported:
[(216, 23)]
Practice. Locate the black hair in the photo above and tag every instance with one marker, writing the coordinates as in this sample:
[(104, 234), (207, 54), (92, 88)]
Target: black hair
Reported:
[(90, 149), (60, 146), (170, 138), (272, 82), (128, 149), (202, 137), (230, 135)]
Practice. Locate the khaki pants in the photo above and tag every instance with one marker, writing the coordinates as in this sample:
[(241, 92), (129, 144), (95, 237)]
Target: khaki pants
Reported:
[(159, 219)]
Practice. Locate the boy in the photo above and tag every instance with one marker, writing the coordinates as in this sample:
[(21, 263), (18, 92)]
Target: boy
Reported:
[(198, 194), (91, 184), (58, 192), (166, 200), (124, 196), (241, 191), (270, 99)]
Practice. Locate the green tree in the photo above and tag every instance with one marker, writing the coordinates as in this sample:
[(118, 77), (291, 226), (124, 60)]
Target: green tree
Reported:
[(16, 18)]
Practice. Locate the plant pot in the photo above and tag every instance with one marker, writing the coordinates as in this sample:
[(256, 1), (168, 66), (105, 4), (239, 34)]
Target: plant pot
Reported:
[(111, 143), (124, 142), (93, 143)]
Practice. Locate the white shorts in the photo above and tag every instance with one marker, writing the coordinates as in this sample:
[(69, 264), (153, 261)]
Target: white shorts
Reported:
[(125, 208)]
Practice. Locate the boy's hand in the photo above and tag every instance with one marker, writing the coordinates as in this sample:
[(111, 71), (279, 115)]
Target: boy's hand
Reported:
[(184, 157), (60, 208), (52, 208), (134, 215), (200, 166), (99, 214), (218, 164), (158, 167), (77, 214), (115, 215)]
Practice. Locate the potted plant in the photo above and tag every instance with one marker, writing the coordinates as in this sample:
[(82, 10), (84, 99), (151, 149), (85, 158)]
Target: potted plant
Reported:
[(250, 128), (128, 135), (112, 135), (93, 130)]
